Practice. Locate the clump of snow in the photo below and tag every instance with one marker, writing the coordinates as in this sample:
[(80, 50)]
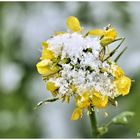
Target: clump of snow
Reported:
[(84, 67)]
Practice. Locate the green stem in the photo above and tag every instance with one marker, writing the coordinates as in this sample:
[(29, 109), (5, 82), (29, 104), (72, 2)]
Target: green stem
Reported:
[(93, 122)]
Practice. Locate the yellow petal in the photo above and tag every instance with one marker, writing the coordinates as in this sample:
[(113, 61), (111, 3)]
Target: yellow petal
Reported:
[(46, 52), (111, 33), (109, 36), (117, 72), (106, 41), (53, 69), (123, 85), (77, 113), (51, 86), (99, 101), (96, 32), (42, 66), (82, 101), (73, 24), (45, 67)]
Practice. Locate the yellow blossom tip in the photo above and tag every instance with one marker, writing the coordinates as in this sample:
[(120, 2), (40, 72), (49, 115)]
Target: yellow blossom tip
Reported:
[(117, 72), (99, 101), (106, 41), (77, 113), (123, 85), (73, 24), (46, 52), (51, 86), (45, 67), (82, 101), (111, 32)]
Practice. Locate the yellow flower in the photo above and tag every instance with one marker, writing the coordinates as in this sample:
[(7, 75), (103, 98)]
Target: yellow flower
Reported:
[(98, 100), (82, 101), (117, 72), (73, 24), (77, 113), (51, 86), (46, 53), (111, 33), (123, 85), (108, 35), (45, 67)]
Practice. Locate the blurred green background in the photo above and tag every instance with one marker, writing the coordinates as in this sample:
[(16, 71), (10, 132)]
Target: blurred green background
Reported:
[(23, 26)]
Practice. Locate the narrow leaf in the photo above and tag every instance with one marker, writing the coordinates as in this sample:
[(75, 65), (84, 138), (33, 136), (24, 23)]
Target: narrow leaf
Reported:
[(120, 54), (111, 54), (46, 101)]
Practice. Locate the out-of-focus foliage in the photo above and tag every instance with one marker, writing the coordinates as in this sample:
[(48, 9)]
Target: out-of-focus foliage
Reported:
[(23, 26), (17, 117)]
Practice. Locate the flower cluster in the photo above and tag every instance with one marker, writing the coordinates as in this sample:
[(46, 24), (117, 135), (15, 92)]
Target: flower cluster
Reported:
[(78, 64)]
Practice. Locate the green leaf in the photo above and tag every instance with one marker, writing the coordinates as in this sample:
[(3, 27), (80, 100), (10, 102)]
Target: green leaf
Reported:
[(122, 118)]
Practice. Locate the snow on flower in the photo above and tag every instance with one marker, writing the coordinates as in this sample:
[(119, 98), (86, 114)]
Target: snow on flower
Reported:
[(77, 64)]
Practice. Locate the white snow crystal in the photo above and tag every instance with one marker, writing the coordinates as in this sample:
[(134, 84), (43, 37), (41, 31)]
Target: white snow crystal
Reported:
[(83, 70)]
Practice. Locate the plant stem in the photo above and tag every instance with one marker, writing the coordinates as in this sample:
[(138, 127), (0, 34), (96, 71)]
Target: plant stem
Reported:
[(93, 122)]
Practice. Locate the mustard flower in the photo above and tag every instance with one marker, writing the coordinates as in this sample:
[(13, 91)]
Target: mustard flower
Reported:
[(77, 65)]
